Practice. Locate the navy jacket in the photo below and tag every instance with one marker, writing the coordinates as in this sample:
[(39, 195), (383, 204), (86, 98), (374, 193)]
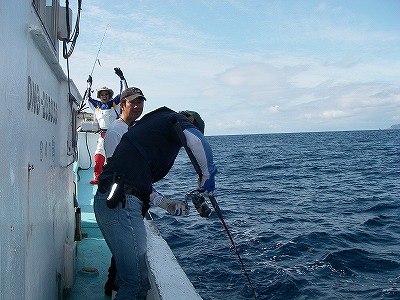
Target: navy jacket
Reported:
[(148, 150)]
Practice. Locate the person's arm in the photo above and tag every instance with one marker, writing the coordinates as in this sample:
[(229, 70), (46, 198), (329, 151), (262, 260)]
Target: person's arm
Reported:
[(87, 97), (122, 85), (111, 141), (202, 153), (88, 88)]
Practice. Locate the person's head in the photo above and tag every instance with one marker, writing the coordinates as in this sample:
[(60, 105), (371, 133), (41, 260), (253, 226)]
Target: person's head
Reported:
[(105, 94), (195, 118), (132, 103)]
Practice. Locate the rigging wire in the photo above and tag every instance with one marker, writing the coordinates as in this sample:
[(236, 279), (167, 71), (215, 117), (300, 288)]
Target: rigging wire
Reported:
[(66, 54), (75, 34)]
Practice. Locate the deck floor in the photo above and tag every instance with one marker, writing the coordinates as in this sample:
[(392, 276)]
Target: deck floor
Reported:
[(92, 250)]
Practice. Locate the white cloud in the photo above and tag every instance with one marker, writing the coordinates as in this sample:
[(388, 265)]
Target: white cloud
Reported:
[(301, 70), (334, 114)]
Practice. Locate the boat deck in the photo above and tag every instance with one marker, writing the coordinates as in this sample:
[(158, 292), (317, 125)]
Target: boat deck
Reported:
[(167, 279), (93, 255)]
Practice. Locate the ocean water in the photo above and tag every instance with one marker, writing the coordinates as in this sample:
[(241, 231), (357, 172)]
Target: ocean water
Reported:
[(313, 216)]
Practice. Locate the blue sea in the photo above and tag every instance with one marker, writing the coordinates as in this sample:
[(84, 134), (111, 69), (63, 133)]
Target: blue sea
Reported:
[(313, 216)]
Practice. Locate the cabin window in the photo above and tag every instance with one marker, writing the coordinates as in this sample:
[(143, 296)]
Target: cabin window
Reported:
[(47, 11)]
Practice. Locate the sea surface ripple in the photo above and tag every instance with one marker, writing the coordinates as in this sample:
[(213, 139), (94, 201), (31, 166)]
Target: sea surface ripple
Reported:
[(313, 216)]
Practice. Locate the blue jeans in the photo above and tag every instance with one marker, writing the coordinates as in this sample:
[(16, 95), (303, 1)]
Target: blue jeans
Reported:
[(125, 234)]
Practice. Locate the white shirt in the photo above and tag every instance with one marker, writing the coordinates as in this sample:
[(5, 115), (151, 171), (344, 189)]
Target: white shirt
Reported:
[(113, 135)]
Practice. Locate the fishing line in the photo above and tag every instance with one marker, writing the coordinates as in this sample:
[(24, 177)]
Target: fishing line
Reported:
[(213, 201)]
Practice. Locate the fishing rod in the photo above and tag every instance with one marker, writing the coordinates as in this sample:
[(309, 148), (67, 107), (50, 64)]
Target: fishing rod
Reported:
[(219, 214), (91, 73), (98, 52), (211, 197)]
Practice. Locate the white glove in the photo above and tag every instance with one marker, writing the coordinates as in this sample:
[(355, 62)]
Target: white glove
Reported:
[(175, 207)]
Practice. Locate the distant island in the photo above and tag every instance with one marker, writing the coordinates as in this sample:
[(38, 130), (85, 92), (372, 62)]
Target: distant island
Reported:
[(396, 126)]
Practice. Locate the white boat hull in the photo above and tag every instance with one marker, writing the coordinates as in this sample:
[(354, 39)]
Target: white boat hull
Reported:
[(37, 150)]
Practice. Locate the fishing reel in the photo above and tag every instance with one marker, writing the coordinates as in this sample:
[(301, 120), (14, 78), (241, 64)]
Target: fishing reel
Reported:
[(199, 202)]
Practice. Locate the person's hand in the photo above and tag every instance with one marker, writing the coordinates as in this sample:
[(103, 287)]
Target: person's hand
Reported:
[(89, 81), (207, 183), (197, 197), (175, 207), (119, 73)]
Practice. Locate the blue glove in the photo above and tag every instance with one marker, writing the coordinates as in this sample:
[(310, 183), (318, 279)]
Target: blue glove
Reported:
[(208, 183)]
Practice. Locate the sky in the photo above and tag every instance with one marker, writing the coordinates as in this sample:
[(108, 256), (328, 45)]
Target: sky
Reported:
[(249, 66)]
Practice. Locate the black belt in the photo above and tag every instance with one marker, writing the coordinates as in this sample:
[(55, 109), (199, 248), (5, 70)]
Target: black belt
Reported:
[(131, 190), (144, 197), (105, 187)]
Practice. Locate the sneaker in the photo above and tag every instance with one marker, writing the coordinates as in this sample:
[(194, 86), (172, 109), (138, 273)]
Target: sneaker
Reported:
[(110, 287)]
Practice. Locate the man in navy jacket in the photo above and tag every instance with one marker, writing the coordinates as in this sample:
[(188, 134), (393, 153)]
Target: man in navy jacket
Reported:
[(144, 155)]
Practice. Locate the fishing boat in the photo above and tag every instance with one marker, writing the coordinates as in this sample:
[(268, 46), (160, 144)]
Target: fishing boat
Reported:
[(51, 246)]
